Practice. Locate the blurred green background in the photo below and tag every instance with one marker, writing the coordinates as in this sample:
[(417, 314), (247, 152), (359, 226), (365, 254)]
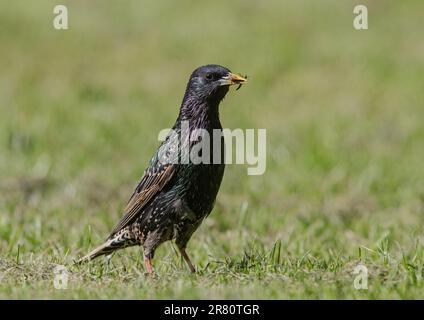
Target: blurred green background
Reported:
[(80, 111)]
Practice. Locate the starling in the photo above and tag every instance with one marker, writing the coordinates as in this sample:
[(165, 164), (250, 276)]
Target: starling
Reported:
[(173, 197)]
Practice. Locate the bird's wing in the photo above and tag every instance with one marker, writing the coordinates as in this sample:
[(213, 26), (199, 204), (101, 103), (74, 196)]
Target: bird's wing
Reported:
[(153, 180)]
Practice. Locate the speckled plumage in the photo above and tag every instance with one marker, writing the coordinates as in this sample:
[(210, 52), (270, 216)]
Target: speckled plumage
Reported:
[(172, 199)]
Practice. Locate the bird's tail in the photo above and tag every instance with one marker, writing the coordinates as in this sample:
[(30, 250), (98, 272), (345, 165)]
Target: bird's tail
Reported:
[(120, 240), (104, 249)]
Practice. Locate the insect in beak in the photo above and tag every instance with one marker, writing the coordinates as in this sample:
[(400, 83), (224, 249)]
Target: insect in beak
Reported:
[(241, 83), (232, 79)]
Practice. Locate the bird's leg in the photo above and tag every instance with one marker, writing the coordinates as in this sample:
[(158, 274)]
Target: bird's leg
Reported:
[(148, 264), (187, 259)]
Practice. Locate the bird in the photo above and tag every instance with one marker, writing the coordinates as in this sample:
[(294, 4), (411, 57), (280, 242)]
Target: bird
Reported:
[(173, 196)]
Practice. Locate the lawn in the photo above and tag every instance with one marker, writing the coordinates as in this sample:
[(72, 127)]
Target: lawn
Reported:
[(81, 109)]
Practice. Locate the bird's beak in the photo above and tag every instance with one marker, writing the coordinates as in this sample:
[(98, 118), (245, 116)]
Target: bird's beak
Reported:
[(232, 78)]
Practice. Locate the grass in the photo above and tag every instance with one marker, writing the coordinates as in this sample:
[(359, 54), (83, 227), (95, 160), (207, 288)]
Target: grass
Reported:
[(80, 111)]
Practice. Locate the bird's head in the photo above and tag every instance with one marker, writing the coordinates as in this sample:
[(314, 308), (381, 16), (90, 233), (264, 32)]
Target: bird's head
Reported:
[(210, 83)]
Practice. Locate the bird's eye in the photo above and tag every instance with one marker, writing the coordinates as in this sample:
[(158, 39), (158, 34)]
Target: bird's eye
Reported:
[(209, 76)]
